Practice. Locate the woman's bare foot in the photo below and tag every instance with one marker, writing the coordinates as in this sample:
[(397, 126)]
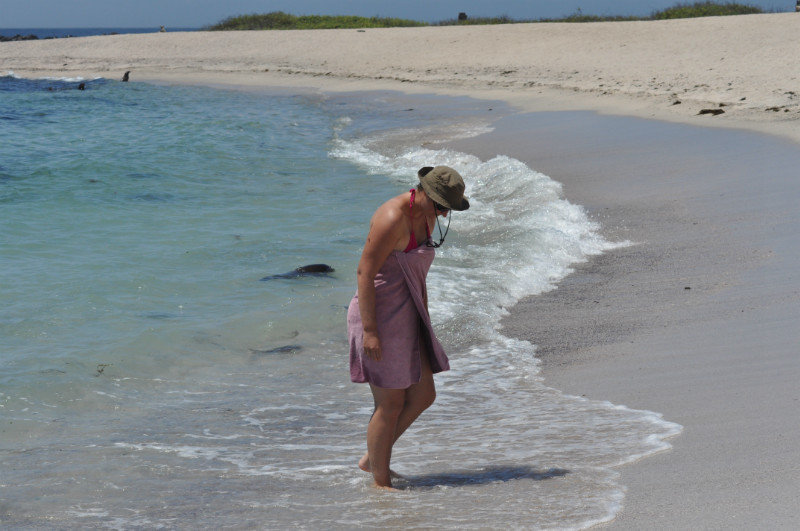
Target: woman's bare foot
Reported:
[(363, 464), (385, 487)]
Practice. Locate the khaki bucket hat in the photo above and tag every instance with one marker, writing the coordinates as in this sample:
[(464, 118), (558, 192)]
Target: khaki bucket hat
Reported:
[(444, 185)]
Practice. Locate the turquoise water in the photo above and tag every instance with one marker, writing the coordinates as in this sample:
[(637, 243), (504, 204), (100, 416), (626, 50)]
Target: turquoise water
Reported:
[(134, 218), (151, 379)]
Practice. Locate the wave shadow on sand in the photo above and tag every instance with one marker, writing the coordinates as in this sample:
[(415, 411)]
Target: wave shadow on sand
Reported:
[(479, 477)]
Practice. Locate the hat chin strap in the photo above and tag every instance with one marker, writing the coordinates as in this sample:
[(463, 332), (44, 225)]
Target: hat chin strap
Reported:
[(439, 227)]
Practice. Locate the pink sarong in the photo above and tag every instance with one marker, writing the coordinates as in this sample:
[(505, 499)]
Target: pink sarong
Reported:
[(404, 326)]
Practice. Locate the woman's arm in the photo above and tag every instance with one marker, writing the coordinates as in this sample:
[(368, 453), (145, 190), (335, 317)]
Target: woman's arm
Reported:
[(381, 241)]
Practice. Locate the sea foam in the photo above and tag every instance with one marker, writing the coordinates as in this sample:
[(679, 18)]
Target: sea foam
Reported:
[(519, 238)]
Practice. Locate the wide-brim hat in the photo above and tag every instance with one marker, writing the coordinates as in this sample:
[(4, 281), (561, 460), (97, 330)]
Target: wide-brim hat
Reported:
[(445, 186)]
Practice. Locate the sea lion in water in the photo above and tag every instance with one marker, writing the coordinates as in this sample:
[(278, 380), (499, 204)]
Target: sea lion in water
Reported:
[(311, 269)]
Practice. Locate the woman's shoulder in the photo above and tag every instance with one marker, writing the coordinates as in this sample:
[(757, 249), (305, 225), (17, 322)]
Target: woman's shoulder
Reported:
[(393, 210), (389, 223), (390, 218)]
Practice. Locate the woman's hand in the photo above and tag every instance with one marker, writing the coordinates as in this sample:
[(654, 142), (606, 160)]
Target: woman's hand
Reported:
[(372, 346)]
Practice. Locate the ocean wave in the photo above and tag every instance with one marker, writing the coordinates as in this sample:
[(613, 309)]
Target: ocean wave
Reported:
[(520, 237), (76, 79)]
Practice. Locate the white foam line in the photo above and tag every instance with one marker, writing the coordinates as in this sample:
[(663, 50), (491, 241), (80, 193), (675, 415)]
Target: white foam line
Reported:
[(12, 74), (520, 210)]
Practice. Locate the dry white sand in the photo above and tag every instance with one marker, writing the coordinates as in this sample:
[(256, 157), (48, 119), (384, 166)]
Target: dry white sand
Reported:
[(748, 64), (716, 212)]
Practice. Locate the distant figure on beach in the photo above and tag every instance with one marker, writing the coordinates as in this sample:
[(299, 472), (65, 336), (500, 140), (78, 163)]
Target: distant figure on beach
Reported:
[(392, 344), (162, 30), (125, 76)]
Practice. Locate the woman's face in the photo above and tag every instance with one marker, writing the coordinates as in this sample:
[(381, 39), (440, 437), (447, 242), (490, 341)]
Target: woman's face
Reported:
[(440, 210)]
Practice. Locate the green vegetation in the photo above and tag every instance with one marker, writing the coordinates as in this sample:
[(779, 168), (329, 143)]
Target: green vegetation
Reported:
[(280, 20), (476, 21), (705, 9), (578, 16), (575, 17)]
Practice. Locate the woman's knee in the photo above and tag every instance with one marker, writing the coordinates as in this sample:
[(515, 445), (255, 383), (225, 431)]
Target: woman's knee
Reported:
[(390, 407), (430, 397), (424, 397)]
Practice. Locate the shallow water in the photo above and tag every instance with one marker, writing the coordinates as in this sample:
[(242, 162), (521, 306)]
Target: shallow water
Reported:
[(149, 378)]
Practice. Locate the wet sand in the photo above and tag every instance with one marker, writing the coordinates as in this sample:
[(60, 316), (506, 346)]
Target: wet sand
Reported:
[(698, 319)]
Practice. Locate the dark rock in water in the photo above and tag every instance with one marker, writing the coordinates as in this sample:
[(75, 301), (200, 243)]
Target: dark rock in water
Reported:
[(126, 76), (306, 270), (286, 349), (712, 112)]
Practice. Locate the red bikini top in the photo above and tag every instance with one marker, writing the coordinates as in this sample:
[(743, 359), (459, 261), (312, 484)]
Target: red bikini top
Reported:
[(412, 240)]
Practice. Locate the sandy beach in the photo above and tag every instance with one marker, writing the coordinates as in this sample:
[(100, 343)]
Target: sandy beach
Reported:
[(747, 66), (698, 318)]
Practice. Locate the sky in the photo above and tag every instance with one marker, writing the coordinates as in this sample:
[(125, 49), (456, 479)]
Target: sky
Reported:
[(198, 13)]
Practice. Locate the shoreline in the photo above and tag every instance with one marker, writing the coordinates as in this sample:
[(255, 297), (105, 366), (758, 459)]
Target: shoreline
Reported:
[(707, 209), (738, 64), (545, 99)]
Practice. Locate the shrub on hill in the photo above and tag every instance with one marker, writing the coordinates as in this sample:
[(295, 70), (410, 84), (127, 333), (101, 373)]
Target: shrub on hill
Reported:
[(280, 20), (705, 9)]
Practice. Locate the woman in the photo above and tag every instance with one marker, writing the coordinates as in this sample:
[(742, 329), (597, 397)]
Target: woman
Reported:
[(392, 344)]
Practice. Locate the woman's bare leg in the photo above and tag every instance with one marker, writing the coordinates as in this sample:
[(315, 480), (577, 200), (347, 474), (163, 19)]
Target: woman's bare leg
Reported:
[(417, 399), (380, 432)]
